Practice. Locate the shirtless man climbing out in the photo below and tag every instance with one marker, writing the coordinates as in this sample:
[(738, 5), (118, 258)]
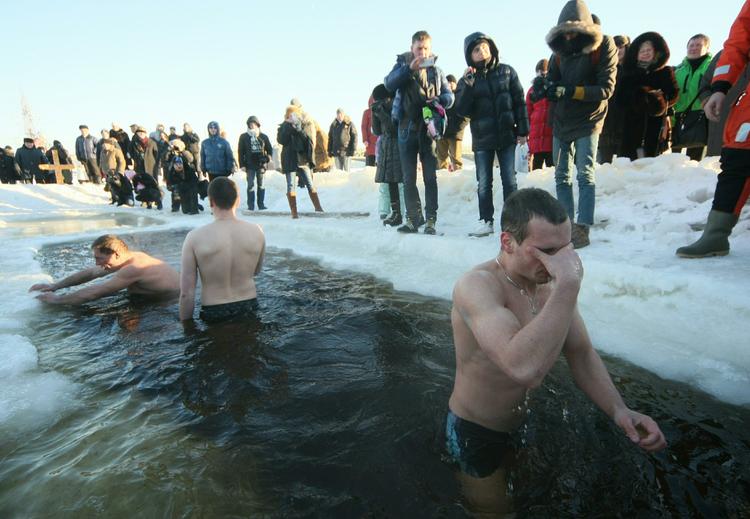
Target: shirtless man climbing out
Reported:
[(227, 253), (135, 271), (512, 317)]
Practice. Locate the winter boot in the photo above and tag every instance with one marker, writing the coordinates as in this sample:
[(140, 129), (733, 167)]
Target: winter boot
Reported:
[(261, 199), (408, 227), (251, 200), (484, 229), (176, 200), (316, 201), (429, 226), (580, 236), (292, 198), (394, 218), (715, 238)]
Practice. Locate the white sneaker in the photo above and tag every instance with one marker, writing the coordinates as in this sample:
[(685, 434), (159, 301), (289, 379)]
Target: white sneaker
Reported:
[(484, 229)]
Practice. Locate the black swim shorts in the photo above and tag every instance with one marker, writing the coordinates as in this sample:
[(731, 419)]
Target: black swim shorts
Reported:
[(227, 311), (477, 450)]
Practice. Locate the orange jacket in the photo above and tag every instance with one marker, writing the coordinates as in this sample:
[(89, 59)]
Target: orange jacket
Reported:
[(729, 67)]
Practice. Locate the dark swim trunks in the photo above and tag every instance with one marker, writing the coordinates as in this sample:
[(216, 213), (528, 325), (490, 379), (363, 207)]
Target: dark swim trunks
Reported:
[(477, 450), (227, 311)]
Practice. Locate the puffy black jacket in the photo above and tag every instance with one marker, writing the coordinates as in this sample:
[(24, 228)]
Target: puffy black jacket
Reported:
[(496, 104), (342, 137)]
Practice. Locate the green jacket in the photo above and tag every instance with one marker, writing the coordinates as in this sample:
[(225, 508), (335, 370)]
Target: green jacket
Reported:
[(689, 83)]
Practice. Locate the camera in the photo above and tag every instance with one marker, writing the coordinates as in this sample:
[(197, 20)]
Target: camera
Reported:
[(428, 62), (469, 76)]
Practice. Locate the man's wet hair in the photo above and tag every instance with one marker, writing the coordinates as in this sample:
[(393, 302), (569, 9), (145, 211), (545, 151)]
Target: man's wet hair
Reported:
[(701, 36), (524, 205), (223, 192), (420, 35), (109, 244)]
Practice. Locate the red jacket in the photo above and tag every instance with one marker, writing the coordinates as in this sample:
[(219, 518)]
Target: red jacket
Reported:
[(368, 137), (540, 125), (729, 67)]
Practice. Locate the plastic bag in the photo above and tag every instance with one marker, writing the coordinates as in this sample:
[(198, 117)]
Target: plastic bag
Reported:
[(522, 158)]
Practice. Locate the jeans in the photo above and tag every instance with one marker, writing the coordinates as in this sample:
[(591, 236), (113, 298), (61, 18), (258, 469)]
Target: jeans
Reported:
[(412, 142), (303, 172), (483, 160), (583, 151)]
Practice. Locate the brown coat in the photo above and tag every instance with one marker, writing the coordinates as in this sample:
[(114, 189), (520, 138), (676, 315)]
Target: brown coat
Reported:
[(112, 161)]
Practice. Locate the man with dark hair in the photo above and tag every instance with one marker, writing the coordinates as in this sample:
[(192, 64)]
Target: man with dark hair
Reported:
[(28, 157), (135, 271), (418, 85), (512, 317), (86, 154), (228, 254)]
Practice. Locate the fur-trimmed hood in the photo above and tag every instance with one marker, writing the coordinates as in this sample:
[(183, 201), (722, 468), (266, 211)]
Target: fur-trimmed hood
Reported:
[(661, 51), (470, 42), (575, 17)]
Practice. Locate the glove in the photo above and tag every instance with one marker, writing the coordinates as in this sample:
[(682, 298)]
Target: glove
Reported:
[(551, 91)]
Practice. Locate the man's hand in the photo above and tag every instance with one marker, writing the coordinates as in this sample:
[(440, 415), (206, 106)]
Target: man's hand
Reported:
[(713, 106), (469, 76), (48, 297), (564, 266), (415, 63), (641, 429), (42, 287)]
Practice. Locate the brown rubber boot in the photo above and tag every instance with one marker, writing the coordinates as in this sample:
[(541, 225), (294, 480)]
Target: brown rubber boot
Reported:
[(580, 236), (292, 198), (316, 201)]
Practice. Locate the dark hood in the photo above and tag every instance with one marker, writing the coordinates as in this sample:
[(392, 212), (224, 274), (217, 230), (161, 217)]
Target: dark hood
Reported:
[(218, 128), (471, 40), (575, 17), (661, 51)]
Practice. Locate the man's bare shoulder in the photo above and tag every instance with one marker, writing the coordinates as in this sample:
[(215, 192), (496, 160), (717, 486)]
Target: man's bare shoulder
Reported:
[(478, 284)]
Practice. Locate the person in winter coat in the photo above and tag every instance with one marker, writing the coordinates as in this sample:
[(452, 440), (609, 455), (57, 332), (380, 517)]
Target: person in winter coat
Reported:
[(121, 136), (64, 157), (491, 96), (368, 138), (86, 154), (688, 75), (28, 157), (142, 152), (112, 163), (416, 81), (449, 148), (716, 128), (216, 154), (182, 179), (610, 139), (147, 190), (9, 172), (192, 144), (254, 152), (581, 81), (647, 90), (297, 135), (540, 119), (342, 140), (389, 162), (733, 182)]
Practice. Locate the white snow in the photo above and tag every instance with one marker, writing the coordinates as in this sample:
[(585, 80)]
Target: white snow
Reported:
[(682, 319)]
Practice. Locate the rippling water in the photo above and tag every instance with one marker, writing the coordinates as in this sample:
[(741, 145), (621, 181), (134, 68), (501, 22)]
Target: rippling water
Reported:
[(331, 405)]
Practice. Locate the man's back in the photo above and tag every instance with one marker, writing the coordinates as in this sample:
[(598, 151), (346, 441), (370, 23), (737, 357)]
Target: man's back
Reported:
[(227, 253)]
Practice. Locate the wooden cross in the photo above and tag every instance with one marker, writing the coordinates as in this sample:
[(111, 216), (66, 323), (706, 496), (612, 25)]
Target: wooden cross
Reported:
[(57, 167)]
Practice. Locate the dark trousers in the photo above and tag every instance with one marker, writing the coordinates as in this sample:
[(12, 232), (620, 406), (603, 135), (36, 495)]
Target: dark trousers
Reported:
[(542, 158), (696, 154), (255, 176), (370, 160), (733, 183), (188, 192), (413, 141), (483, 160), (92, 170)]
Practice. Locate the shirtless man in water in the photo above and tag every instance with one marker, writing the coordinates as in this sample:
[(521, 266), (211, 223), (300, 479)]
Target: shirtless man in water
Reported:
[(135, 271), (227, 253), (512, 317)]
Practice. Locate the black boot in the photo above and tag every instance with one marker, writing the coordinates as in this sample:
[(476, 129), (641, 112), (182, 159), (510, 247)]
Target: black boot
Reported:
[(261, 199), (251, 199)]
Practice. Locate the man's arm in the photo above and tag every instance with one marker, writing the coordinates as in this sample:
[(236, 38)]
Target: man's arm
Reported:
[(591, 376), (79, 278), (188, 279), (262, 253), (122, 279)]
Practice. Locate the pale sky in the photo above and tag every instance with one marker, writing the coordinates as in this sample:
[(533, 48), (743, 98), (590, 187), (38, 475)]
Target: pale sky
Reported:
[(98, 62)]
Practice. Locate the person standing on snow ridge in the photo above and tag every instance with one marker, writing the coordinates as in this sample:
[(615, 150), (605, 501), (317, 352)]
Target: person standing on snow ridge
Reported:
[(216, 154), (342, 140), (254, 152)]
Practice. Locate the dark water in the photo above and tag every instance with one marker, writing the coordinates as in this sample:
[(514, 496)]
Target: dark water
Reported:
[(332, 405)]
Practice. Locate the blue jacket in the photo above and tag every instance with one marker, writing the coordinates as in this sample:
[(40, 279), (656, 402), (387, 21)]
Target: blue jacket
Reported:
[(86, 147), (216, 156), (409, 96)]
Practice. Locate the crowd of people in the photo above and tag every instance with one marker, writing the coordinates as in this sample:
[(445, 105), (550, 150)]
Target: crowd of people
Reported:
[(597, 97)]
